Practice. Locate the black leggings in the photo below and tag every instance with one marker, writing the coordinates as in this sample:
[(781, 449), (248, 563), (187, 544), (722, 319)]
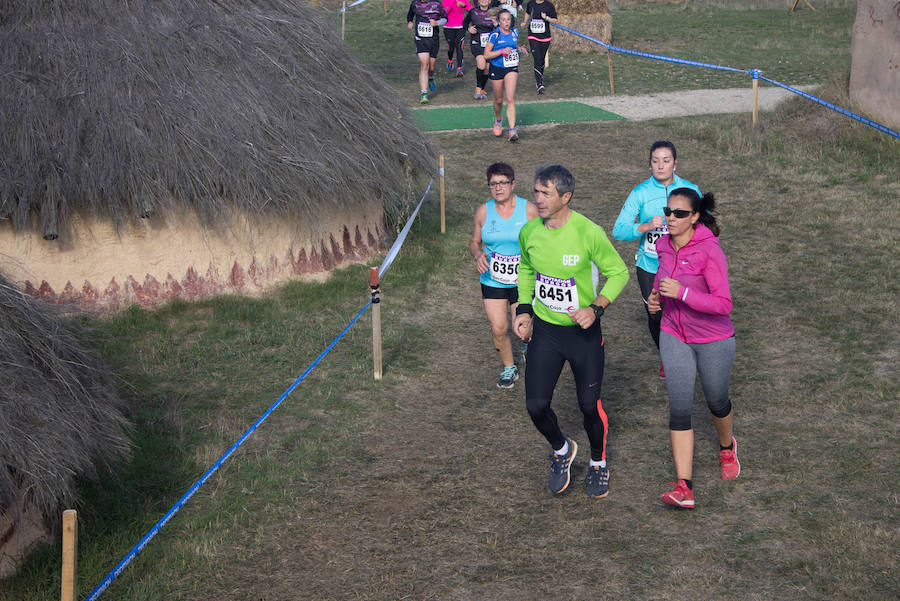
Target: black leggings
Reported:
[(645, 281), (550, 347), (539, 54), (455, 38)]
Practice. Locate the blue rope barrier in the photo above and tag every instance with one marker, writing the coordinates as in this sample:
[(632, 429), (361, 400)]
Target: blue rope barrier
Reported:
[(392, 253), (104, 584), (754, 73), (834, 107), (659, 57)]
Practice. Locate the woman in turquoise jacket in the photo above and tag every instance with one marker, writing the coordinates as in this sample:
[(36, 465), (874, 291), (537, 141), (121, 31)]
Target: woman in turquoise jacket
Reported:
[(642, 217)]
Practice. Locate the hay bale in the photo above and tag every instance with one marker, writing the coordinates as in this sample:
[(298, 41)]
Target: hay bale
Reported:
[(596, 25), (581, 7)]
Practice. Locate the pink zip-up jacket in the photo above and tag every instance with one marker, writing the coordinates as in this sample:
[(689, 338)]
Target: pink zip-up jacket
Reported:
[(455, 14), (700, 312)]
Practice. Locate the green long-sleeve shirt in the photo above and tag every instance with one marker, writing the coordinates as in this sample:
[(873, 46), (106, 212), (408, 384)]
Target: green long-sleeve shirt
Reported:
[(555, 274)]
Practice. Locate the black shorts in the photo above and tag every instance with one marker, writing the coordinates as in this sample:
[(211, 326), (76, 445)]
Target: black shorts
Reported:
[(497, 73), (476, 47), (510, 294), (428, 45)]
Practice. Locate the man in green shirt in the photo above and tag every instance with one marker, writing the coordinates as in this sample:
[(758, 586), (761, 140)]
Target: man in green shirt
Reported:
[(559, 312)]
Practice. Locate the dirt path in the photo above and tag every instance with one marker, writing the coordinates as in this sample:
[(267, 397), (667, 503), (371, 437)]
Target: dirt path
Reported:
[(690, 102)]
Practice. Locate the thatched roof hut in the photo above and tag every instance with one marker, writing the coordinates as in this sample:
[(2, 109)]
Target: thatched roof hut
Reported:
[(60, 417), (184, 147)]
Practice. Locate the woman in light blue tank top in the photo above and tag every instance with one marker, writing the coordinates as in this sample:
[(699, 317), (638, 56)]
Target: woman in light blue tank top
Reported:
[(495, 248)]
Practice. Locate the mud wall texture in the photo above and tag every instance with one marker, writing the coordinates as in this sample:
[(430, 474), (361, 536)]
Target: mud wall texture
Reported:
[(153, 260), (875, 61)]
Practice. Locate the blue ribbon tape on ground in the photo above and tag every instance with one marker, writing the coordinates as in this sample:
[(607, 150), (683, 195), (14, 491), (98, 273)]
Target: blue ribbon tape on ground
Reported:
[(104, 584)]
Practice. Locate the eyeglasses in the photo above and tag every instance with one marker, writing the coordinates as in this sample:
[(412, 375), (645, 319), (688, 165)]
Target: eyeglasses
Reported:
[(501, 184), (679, 213)]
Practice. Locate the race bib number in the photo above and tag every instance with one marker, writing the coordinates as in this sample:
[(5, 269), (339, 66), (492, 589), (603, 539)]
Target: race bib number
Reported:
[(511, 60), (651, 237), (484, 39), (505, 268), (538, 26), (558, 294), (424, 30)]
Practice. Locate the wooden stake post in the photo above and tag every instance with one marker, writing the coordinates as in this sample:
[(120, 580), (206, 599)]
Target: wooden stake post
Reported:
[(69, 555), (376, 323), (755, 74), (443, 217)]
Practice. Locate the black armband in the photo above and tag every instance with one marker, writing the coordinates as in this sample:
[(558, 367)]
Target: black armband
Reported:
[(524, 309)]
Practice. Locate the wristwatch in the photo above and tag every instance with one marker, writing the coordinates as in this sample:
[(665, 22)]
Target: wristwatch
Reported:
[(598, 310)]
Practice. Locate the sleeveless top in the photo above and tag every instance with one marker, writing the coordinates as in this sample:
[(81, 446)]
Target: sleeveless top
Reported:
[(501, 236)]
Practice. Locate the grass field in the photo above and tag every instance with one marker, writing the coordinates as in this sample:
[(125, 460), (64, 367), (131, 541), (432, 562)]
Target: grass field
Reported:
[(430, 483)]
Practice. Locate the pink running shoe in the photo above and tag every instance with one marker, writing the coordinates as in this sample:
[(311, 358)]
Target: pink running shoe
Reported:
[(728, 459), (680, 496)]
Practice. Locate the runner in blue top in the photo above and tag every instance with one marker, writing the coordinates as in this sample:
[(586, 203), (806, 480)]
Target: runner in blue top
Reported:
[(502, 50), (642, 217), (495, 248)]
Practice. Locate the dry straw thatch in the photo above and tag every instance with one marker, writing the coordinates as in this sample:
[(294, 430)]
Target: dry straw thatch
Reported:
[(60, 415), (581, 7), (120, 108)]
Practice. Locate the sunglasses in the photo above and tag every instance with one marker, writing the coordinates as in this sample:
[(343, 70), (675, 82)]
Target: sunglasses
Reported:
[(679, 213)]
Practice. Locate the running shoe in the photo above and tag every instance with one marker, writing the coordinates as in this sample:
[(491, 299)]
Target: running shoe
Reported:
[(508, 376), (459, 72), (662, 372), (449, 65), (728, 459), (680, 496), (432, 85), (513, 135), (560, 465), (597, 482), (480, 94), (498, 128), (423, 99), (540, 89)]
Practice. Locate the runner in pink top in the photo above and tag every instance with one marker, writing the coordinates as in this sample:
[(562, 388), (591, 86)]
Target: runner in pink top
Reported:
[(454, 33), (691, 288)]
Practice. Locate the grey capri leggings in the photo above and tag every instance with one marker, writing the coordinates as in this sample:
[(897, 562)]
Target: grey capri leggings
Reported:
[(682, 361)]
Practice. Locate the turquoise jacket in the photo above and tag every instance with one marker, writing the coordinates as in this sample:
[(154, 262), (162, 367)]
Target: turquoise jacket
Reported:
[(645, 202)]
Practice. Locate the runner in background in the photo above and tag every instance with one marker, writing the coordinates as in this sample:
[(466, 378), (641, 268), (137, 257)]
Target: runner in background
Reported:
[(513, 6), (454, 32), (697, 335), (538, 14), (479, 24), (495, 248), (502, 50), (642, 217), (559, 312), (426, 16)]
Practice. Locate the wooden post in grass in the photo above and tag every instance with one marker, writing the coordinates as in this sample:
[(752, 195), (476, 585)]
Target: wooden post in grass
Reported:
[(612, 85), (69, 555), (343, 18), (385, 8), (755, 74), (443, 218), (376, 323)]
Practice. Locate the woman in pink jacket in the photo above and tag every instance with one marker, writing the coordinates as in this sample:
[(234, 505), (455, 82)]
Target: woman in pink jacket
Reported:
[(691, 288)]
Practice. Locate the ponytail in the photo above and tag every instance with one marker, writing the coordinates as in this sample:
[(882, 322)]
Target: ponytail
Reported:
[(704, 205)]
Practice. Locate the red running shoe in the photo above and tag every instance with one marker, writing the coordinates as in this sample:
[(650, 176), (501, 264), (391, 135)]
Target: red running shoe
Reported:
[(728, 459), (662, 372), (680, 496)]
